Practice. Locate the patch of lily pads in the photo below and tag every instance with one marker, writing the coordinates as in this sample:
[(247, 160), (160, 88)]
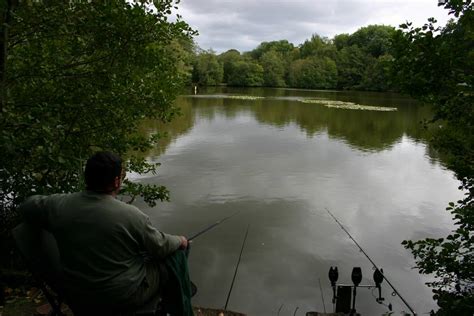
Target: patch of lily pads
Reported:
[(243, 97), (348, 105)]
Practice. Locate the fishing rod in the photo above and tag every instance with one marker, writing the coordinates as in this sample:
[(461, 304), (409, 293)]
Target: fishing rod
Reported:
[(208, 228), (377, 270), (237, 267), (322, 295)]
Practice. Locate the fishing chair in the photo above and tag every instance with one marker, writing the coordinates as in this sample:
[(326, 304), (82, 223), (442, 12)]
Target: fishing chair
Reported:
[(41, 254)]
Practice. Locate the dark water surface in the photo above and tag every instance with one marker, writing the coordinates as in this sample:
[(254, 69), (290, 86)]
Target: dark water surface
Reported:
[(281, 162)]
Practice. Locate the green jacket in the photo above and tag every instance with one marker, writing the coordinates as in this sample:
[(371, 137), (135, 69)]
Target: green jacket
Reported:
[(102, 243)]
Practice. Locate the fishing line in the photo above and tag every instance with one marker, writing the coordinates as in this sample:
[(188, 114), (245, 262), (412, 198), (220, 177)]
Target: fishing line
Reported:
[(296, 309), (236, 268), (373, 263), (279, 310)]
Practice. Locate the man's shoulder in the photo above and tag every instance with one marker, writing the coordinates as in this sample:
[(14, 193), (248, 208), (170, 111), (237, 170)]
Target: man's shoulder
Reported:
[(126, 206), (50, 198), (126, 209)]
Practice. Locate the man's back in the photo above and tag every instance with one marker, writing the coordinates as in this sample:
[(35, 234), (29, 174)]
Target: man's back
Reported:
[(101, 241)]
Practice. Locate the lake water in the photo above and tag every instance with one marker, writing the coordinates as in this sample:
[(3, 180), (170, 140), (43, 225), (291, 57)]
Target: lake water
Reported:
[(281, 162)]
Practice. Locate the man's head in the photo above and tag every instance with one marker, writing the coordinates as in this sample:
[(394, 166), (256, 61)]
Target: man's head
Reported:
[(103, 172)]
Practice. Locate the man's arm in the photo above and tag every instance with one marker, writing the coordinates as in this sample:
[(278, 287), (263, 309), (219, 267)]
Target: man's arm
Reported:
[(159, 244), (35, 211)]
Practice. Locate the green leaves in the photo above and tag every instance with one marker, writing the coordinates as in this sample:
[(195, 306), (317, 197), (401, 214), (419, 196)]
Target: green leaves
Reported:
[(273, 65), (81, 77), (433, 64), (150, 193), (449, 260), (313, 73), (207, 69), (247, 74), (357, 61)]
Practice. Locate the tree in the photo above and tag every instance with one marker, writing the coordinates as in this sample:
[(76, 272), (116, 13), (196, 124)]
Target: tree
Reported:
[(341, 41), (183, 51), (228, 60), (246, 74), (208, 71), (376, 76), (273, 69), (313, 73), (351, 65), (373, 39), (362, 58), (317, 46), (80, 76), (435, 65), (283, 47)]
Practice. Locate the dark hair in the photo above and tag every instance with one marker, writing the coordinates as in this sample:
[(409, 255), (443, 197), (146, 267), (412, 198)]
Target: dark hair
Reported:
[(101, 170)]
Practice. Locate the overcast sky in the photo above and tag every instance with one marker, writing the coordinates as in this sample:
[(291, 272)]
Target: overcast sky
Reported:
[(243, 24)]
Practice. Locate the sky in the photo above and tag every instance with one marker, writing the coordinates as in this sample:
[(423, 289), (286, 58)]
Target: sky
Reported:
[(244, 24)]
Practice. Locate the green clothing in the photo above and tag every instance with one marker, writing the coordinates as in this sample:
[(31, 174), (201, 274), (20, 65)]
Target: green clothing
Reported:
[(178, 300), (102, 243), (176, 288)]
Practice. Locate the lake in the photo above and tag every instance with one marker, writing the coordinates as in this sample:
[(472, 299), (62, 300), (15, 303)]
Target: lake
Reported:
[(281, 157)]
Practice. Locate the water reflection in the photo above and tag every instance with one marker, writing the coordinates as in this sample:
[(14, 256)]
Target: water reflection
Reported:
[(365, 130), (281, 162)]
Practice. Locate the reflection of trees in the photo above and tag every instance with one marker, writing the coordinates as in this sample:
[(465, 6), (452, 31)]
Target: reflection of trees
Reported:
[(172, 130), (365, 130)]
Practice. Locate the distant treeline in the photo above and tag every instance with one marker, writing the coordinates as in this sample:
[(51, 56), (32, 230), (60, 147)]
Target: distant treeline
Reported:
[(357, 61)]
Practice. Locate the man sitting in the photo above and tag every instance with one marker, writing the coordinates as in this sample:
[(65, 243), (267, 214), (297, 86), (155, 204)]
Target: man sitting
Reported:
[(112, 257)]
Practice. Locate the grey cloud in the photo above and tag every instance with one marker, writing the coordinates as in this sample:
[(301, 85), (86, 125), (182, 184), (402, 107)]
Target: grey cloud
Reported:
[(244, 24)]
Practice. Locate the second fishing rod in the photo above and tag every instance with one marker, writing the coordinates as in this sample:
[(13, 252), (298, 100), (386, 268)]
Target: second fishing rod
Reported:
[(372, 262), (210, 227)]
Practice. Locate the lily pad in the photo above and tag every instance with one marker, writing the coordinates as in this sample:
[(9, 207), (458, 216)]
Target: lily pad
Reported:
[(348, 105), (244, 97)]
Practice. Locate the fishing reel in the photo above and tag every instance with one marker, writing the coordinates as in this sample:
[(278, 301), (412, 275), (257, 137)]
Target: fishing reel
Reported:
[(378, 279), (333, 276), (357, 277)]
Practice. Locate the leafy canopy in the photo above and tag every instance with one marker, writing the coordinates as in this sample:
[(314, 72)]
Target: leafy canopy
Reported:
[(435, 64), (80, 76), (348, 61)]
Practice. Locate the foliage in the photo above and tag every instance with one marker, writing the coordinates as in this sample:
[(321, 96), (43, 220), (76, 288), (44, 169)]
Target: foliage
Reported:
[(182, 50), (361, 61), (80, 76), (374, 40), (341, 41), (376, 76), (283, 47), (363, 58), (228, 60), (317, 46), (352, 63), (428, 67), (207, 69), (450, 260), (313, 73), (247, 74), (273, 69)]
